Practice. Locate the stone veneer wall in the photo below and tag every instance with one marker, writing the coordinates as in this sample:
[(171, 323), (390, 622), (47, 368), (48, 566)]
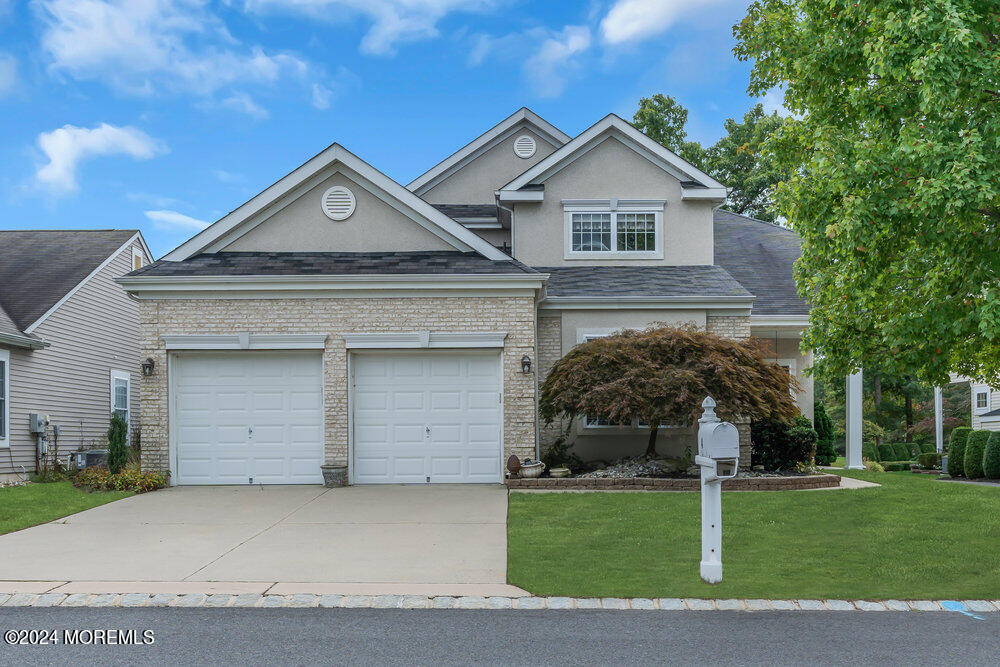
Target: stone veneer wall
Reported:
[(738, 327), (549, 352), (514, 315)]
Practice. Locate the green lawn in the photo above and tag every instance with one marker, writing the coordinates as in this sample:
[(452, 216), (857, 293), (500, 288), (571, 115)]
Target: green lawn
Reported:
[(32, 504), (911, 538)]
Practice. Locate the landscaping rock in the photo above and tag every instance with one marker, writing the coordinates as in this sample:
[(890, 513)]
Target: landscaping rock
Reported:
[(471, 602), (925, 605), (444, 602), (189, 600), (867, 605), (640, 466), (271, 601), (498, 603), (560, 603), (783, 605), (48, 600), (588, 603), (218, 600), (642, 603), (20, 600), (134, 600), (758, 605), (979, 605), (531, 603), (729, 605), (158, 600), (302, 600), (105, 600), (387, 601), (699, 605), (614, 603), (896, 605), (357, 601)]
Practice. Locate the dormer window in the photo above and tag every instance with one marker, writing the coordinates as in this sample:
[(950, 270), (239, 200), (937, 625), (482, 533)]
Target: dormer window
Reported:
[(981, 396), (613, 228)]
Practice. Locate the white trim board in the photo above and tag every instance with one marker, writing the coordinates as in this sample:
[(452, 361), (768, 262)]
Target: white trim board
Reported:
[(454, 233), (613, 126), (742, 304), (110, 258), (5, 415), (244, 341), (424, 339), (484, 142)]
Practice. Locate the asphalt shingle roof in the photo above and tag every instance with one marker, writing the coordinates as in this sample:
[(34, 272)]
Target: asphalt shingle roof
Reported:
[(760, 256), (332, 264), (652, 281), (38, 267), (456, 211)]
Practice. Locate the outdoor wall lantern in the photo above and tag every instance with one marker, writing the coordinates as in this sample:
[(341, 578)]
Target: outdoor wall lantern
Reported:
[(525, 364), (147, 367)]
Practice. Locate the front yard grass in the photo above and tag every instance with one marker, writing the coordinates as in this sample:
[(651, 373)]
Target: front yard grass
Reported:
[(32, 504), (912, 538)]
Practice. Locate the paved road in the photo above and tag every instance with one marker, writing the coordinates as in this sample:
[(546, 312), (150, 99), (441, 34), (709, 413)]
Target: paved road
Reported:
[(366, 636)]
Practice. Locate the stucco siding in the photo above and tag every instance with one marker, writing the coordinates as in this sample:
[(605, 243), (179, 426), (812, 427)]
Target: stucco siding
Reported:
[(301, 226), (476, 181), (94, 332), (788, 349), (335, 317), (613, 170)]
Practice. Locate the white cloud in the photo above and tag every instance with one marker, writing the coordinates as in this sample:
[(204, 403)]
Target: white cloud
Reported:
[(636, 20), (8, 73), (173, 221), (321, 96), (69, 145), (146, 46), (774, 100), (549, 66), (228, 176), (244, 104), (394, 22)]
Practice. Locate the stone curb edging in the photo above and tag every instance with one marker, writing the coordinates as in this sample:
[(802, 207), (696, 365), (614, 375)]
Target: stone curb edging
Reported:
[(255, 600), (680, 484)]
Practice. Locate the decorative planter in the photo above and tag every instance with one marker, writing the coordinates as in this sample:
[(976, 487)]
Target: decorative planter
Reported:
[(334, 475), (559, 472), (531, 470)]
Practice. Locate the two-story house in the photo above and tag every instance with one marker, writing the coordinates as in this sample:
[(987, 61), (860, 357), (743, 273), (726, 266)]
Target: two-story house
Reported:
[(399, 334)]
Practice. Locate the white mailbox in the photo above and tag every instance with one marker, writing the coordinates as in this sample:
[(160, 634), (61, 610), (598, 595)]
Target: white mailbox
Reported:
[(719, 458), (719, 440)]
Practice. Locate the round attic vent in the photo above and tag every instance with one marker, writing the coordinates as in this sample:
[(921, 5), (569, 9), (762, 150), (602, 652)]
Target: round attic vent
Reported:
[(338, 203), (524, 146)]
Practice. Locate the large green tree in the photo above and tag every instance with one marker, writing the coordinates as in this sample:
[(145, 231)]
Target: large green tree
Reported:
[(896, 190), (663, 119)]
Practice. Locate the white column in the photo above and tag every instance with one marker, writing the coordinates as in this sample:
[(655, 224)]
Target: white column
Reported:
[(938, 420), (854, 418)]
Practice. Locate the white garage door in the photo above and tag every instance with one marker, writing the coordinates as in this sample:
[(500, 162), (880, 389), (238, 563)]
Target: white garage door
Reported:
[(248, 417), (427, 417)]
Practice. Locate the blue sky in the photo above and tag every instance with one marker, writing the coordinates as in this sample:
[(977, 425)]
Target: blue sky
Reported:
[(163, 115)]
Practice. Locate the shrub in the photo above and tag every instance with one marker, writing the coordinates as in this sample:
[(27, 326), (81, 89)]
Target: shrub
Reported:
[(559, 456), (929, 460), (118, 453), (780, 446), (129, 479), (825, 453), (956, 451), (903, 451), (886, 452), (896, 466), (927, 448), (975, 448), (991, 459), (872, 466), (869, 451)]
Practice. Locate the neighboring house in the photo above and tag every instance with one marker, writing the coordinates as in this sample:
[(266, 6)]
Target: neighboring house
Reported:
[(985, 407), (69, 338), (340, 318)]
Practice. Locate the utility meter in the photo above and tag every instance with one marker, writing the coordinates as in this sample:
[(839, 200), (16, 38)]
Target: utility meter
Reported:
[(38, 422)]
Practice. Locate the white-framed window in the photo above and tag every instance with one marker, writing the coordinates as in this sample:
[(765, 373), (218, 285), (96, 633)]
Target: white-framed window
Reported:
[(613, 228), (121, 390), (4, 398), (981, 398), (138, 260), (788, 365), (582, 336)]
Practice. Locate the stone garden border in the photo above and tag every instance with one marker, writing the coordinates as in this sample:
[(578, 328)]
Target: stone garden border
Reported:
[(796, 483), (264, 601)]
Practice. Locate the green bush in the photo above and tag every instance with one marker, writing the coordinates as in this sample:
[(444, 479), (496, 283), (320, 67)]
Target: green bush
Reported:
[(975, 448), (117, 444), (869, 451), (779, 446), (956, 451), (558, 455), (896, 466), (929, 460), (991, 459), (927, 448), (129, 479), (903, 451), (886, 452), (825, 453)]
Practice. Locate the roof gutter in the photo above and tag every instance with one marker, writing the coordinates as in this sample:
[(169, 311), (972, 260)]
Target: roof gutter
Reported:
[(29, 342)]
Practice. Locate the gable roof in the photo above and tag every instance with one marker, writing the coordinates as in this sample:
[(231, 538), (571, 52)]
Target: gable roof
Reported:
[(694, 182), (626, 282), (422, 212), (484, 142), (761, 256), (39, 269)]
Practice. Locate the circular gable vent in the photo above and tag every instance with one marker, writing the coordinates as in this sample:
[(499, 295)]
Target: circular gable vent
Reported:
[(338, 203), (524, 146)]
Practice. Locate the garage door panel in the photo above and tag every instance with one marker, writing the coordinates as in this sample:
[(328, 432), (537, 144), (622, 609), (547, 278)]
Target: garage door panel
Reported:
[(220, 396), (442, 409)]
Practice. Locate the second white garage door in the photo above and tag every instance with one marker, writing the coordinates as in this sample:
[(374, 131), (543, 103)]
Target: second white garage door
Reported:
[(427, 417)]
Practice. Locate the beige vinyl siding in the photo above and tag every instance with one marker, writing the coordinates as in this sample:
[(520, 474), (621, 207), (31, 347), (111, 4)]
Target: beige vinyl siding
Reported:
[(92, 333)]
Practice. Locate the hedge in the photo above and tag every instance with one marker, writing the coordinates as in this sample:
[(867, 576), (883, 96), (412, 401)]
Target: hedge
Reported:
[(869, 452), (975, 448), (991, 459), (956, 451), (896, 466), (886, 452), (930, 460), (903, 450), (927, 447)]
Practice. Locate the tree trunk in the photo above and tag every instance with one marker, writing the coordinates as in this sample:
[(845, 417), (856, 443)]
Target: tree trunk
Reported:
[(877, 392), (908, 407), (651, 447)]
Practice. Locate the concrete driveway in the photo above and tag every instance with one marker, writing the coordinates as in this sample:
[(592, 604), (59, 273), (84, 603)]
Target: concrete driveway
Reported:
[(400, 534)]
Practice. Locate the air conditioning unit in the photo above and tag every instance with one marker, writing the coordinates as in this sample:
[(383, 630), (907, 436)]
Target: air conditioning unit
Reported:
[(90, 458)]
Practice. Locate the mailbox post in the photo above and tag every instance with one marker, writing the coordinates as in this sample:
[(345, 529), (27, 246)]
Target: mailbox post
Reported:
[(718, 457)]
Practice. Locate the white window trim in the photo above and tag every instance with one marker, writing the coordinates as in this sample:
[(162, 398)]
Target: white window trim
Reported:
[(122, 375), (5, 438), (136, 253), (979, 389), (614, 207)]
